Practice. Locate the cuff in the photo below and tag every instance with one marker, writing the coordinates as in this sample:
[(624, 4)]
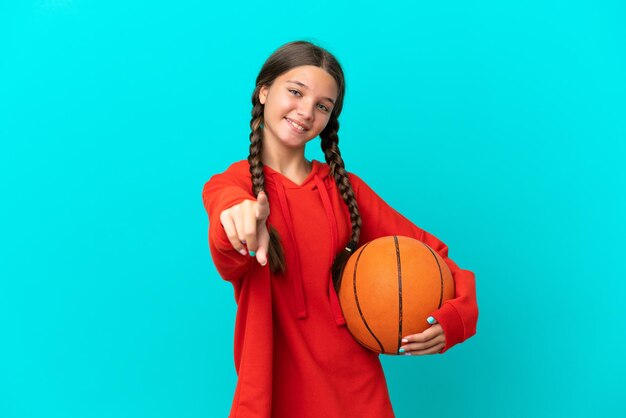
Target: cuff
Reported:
[(222, 243), (452, 325)]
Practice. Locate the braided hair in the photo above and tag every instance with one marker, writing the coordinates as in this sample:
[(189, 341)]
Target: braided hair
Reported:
[(288, 56)]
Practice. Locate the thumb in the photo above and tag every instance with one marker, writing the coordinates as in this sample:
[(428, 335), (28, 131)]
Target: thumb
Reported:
[(264, 241)]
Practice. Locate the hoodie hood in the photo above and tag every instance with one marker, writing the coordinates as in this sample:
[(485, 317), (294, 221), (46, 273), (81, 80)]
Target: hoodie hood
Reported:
[(318, 180)]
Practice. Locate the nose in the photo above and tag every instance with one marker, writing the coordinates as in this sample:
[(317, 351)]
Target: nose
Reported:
[(305, 110)]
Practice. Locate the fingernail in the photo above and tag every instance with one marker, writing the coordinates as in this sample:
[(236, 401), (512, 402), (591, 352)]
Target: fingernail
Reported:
[(243, 241), (252, 253), (404, 340), (264, 263), (243, 252), (431, 320), (401, 350)]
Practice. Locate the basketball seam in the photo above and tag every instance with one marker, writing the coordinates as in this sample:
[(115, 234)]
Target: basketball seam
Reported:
[(399, 265), (440, 274), (356, 298)]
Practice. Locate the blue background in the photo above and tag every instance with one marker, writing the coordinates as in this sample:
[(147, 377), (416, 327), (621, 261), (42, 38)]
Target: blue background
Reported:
[(497, 126)]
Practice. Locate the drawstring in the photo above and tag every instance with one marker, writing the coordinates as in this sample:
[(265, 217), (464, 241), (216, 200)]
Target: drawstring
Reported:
[(298, 291), (335, 307)]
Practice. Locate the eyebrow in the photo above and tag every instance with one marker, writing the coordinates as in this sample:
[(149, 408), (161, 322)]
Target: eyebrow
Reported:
[(304, 85)]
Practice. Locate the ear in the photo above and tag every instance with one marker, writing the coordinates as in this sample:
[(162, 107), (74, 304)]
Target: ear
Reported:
[(263, 94)]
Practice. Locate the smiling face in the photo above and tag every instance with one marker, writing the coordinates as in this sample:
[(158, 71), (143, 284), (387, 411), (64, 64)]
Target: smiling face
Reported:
[(298, 106)]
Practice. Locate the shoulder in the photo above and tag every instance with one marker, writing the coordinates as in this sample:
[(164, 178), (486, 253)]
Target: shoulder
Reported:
[(354, 177), (356, 181), (324, 171), (237, 170), (236, 174), (363, 192)]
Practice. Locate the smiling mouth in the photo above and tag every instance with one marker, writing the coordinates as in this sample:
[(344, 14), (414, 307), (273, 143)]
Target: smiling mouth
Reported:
[(295, 125)]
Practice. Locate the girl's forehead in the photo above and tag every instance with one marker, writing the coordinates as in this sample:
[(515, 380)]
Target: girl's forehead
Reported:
[(312, 78)]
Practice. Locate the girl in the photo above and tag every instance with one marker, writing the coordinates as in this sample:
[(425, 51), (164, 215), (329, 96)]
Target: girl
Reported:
[(293, 354)]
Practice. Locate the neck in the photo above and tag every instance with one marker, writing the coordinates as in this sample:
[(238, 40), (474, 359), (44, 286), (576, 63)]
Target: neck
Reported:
[(290, 164)]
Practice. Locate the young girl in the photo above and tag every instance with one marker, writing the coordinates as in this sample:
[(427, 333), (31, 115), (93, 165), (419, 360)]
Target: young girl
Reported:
[(281, 229)]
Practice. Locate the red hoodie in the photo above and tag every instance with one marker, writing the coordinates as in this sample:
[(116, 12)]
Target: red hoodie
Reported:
[(294, 356)]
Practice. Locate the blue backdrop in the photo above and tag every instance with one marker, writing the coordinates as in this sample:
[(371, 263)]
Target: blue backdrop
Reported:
[(497, 126)]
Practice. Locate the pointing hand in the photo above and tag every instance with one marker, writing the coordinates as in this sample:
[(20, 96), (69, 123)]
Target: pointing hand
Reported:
[(244, 223)]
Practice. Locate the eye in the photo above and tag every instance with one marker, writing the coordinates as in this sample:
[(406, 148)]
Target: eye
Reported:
[(292, 91), (324, 108)]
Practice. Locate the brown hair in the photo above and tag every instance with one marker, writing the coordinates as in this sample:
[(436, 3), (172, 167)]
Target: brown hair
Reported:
[(288, 56)]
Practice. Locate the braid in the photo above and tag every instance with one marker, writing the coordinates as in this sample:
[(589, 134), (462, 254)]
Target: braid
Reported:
[(275, 252), (330, 147)]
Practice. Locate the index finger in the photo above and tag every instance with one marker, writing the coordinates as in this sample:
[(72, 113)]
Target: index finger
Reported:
[(263, 206), (426, 335), (250, 231)]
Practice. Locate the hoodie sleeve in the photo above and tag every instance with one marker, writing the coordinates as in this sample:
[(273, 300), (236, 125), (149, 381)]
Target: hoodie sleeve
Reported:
[(221, 192), (458, 316)]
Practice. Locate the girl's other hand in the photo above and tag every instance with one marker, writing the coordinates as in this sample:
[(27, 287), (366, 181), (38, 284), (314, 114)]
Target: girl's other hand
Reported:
[(244, 223), (430, 341)]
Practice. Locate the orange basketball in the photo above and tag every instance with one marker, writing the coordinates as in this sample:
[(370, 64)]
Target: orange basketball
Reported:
[(389, 287)]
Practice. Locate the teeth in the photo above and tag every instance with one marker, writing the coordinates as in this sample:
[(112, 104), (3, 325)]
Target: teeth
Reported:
[(295, 124)]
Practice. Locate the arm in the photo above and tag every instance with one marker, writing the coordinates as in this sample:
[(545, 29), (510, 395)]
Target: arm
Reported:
[(458, 316), (221, 192)]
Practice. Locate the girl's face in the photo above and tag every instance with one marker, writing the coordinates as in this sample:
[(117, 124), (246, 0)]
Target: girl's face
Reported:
[(298, 105)]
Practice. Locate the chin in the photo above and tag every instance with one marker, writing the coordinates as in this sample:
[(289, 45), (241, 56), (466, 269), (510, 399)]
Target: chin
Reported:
[(296, 142)]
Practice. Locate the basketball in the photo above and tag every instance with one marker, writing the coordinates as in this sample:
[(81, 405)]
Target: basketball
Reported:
[(389, 287)]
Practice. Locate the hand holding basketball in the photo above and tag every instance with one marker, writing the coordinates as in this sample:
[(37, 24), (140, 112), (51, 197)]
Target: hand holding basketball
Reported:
[(388, 289), (430, 341), (244, 223)]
